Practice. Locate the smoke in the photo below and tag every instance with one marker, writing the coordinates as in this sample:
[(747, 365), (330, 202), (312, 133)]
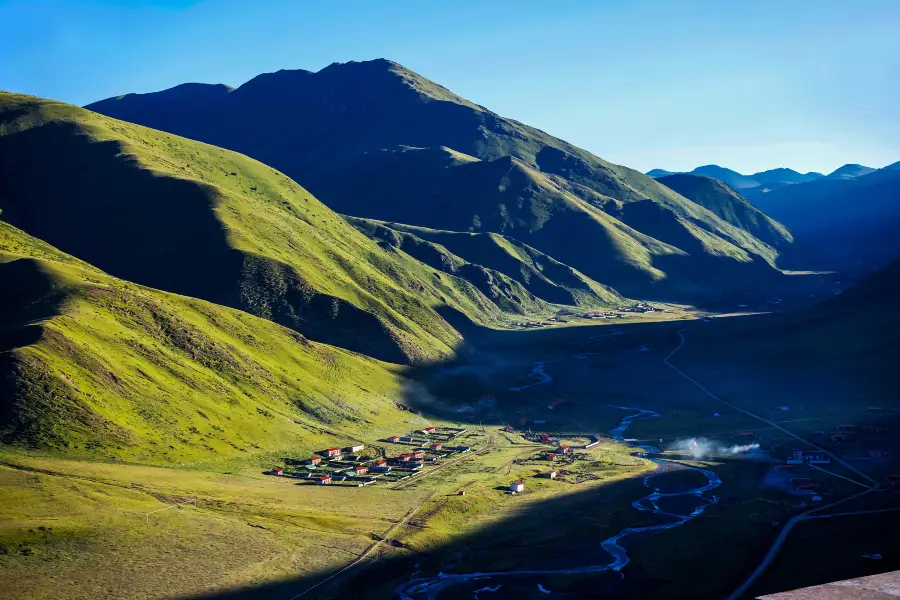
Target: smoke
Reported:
[(701, 448)]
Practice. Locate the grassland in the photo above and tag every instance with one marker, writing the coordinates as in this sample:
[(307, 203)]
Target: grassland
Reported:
[(102, 368), (212, 224)]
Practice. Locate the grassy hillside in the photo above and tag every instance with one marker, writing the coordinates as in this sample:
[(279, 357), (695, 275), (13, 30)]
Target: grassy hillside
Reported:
[(536, 272), (651, 243), (630, 232), (98, 367), (197, 220), (719, 198)]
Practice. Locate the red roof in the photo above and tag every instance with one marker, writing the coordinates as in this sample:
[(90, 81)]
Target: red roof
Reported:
[(394, 437), (381, 463), (333, 449), (278, 469), (360, 468), (520, 483)]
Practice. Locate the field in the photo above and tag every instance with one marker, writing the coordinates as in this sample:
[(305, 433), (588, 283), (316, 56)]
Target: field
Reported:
[(277, 537)]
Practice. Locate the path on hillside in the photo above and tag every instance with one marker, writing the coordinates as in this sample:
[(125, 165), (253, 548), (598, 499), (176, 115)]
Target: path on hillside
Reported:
[(810, 514), (430, 587), (773, 424)]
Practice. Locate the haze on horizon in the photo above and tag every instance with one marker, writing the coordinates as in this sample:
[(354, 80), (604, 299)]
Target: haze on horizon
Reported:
[(648, 84)]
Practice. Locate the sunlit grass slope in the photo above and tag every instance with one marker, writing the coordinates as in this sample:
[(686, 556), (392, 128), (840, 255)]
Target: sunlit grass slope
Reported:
[(197, 220), (453, 251), (98, 367)]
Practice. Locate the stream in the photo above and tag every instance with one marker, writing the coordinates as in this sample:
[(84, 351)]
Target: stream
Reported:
[(427, 588)]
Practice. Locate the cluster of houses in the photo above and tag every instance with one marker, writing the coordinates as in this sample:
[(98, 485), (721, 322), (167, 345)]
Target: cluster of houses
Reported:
[(641, 307), (531, 324), (333, 465), (601, 315)]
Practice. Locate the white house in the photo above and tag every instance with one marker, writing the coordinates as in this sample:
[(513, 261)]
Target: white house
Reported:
[(518, 486)]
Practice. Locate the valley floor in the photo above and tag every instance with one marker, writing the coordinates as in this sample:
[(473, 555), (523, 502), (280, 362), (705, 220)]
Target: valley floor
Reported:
[(229, 531)]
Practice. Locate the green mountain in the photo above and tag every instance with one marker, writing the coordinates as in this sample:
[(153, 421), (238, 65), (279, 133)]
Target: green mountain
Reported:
[(378, 141), (100, 367), (197, 220), (722, 200), (503, 260)]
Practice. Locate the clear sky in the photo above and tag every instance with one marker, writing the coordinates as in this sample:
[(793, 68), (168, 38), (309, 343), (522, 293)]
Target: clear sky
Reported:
[(808, 84)]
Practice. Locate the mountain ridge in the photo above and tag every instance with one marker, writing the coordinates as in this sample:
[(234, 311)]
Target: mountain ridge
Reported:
[(338, 122)]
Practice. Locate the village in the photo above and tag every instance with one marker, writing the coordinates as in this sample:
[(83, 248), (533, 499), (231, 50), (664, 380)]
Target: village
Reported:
[(359, 465), (619, 313)]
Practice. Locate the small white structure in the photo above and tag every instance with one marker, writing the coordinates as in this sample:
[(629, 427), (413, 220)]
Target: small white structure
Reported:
[(357, 448), (517, 487)]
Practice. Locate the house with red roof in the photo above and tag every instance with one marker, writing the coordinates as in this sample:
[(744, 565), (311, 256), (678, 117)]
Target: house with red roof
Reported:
[(314, 460), (324, 480), (517, 486), (360, 470), (278, 471), (332, 452)]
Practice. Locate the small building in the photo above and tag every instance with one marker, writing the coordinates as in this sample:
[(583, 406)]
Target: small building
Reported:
[(517, 487), (360, 470), (324, 480), (278, 471), (357, 448), (394, 439), (436, 446), (418, 454), (406, 438), (509, 429), (314, 460), (564, 450), (429, 430), (405, 457), (332, 452), (800, 457), (550, 456), (551, 474), (381, 466)]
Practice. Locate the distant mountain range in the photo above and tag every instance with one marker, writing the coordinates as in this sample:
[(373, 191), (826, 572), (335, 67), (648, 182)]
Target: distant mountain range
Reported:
[(377, 141), (849, 214), (768, 180)]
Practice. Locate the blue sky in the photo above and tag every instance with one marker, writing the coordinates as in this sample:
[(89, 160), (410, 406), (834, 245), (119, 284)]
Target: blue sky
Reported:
[(808, 84)]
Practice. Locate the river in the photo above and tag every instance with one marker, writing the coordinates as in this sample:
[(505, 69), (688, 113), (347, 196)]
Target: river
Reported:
[(427, 588)]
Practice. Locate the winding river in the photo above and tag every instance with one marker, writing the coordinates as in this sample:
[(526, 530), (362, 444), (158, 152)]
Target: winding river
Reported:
[(427, 588)]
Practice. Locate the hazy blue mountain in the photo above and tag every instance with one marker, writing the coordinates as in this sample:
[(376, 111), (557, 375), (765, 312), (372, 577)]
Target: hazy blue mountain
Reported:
[(732, 178), (851, 171), (784, 176)]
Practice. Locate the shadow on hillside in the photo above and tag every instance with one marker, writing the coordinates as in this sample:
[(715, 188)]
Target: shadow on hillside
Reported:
[(563, 532)]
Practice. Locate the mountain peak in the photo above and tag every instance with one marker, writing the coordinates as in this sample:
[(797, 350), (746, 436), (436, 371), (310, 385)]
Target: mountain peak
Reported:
[(850, 171)]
